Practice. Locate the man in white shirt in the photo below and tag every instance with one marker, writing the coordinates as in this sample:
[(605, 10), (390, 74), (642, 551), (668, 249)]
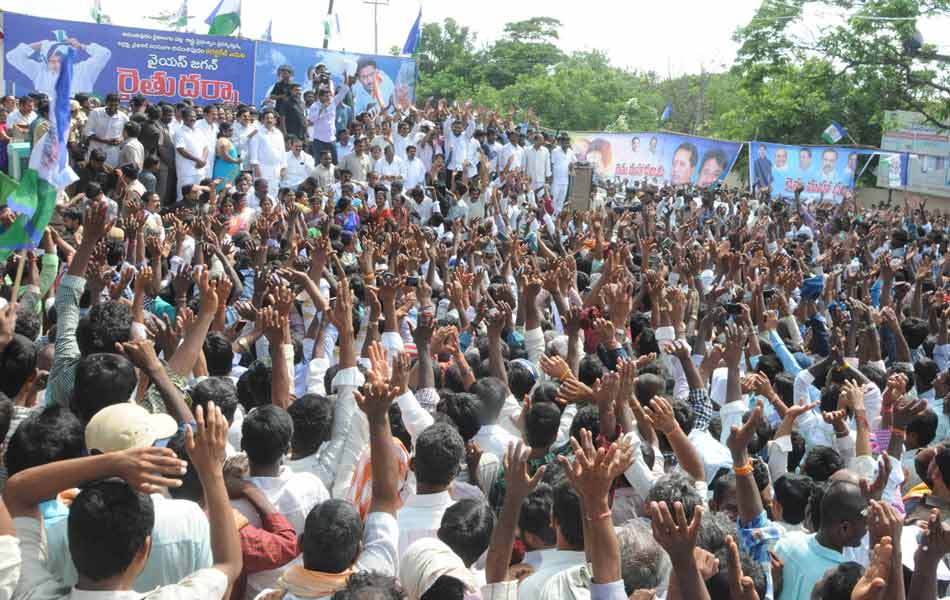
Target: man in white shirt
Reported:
[(321, 116), (191, 153), (406, 136), (299, 165), (494, 148), (104, 128), (562, 164), (265, 438), (18, 121), (422, 207), (457, 139), (325, 172), (511, 156), (208, 128), (415, 169), (390, 167), (537, 161), (439, 452), (268, 153), (492, 437), (344, 145), (245, 127), (567, 518)]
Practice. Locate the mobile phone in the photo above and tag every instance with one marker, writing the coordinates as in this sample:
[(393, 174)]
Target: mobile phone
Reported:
[(412, 281), (768, 294), (733, 308)]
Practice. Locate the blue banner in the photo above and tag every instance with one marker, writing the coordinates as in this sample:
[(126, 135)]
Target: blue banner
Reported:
[(160, 65), (656, 158), (826, 172), (380, 81)]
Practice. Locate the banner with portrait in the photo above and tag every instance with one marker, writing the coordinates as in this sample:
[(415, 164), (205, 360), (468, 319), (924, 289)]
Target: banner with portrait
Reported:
[(826, 172), (160, 65), (380, 82), (656, 158)]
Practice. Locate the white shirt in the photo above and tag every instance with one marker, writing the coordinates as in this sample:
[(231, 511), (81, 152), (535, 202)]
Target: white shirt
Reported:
[(537, 165), (511, 152), (415, 173), (421, 516), (494, 439), (17, 118), (298, 168), (456, 146), (241, 140), (107, 127), (209, 131), (294, 495), (85, 72), (425, 209), (393, 169), (192, 142), (181, 545), (553, 562), (561, 162), (267, 150)]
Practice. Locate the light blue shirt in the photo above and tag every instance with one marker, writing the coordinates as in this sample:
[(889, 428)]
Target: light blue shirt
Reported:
[(806, 561), (181, 545)]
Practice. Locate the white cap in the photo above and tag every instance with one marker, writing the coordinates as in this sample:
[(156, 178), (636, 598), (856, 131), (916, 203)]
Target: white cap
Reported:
[(127, 425)]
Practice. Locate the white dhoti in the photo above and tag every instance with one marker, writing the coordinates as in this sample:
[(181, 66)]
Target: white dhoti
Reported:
[(271, 173), (559, 194), (187, 173)]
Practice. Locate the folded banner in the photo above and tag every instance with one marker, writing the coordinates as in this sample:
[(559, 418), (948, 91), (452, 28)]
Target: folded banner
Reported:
[(160, 65), (826, 172), (657, 158)]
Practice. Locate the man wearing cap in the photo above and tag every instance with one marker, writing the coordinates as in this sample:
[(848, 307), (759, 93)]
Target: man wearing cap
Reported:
[(181, 541), (562, 164), (280, 91)]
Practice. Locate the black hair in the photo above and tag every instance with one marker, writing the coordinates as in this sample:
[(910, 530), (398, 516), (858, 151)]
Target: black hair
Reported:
[(312, 416), (590, 370), (102, 380), (915, 331), (718, 584), (541, 425), (648, 385), (464, 410), (942, 460), (466, 528), (535, 516), (717, 155), (219, 355), (254, 386), (439, 452), (265, 434), (545, 392), (925, 372), (838, 581), (107, 527), (721, 484), (28, 322), (370, 585), (17, 363), (798, 451), (684, 415), (191, 487), (105, 324), (331, 537), (792, 492), (445, 587), (821, 462), (925, 426), (6, 415), (567, 510), (219, 390), (132, 129), (520, 380), (45, 437), (491, 393), (587, 417), (693, 152)]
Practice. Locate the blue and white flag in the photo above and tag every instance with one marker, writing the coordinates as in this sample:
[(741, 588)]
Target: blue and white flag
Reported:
[(412, 40), (834, 132), (667, 112)]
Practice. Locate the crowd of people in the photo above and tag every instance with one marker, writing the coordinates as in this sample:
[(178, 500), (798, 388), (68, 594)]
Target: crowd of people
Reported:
[(298, 352)]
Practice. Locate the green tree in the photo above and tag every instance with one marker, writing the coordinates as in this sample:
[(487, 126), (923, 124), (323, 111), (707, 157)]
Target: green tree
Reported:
[(524, 46), (448, 61)]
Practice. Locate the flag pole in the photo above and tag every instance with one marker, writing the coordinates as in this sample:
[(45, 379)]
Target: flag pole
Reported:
[(21, 260)]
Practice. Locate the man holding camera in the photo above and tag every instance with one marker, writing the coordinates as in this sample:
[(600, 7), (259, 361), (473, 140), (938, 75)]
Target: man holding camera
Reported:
[(322, 114)]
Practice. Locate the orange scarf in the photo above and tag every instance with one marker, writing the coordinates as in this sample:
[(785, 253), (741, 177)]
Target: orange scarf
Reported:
[(312, 584)]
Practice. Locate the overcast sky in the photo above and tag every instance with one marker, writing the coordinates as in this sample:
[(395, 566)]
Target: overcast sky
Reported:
[(671, 36)]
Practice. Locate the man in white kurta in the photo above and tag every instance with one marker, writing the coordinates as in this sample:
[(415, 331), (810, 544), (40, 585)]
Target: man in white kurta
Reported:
[(104, 129), (299, 165), (562, 161), (269, 154), (191, 153), (537, 162), (208, 128)]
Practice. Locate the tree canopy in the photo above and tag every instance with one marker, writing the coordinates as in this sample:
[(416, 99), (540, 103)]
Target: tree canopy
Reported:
[(783, 86)]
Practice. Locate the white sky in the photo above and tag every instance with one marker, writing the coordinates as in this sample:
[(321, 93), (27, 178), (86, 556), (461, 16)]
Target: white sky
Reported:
[(669, 37)]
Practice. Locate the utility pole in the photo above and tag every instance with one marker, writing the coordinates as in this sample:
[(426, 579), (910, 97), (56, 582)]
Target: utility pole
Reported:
[(376, 4), (326, 30)]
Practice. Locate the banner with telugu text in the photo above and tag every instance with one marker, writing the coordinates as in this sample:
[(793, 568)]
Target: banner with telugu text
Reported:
[(826, 172), (160, 65), (656, 158)]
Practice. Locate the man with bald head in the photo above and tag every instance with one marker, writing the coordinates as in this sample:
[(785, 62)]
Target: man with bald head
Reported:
[(807, 556)]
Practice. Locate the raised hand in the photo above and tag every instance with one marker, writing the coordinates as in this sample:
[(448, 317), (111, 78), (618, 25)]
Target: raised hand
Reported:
[(593, 471), (741, 586), (873, 582), (660, 415), (518, 483), (375, 400), (206, 440), (671, 529), (739, 437)]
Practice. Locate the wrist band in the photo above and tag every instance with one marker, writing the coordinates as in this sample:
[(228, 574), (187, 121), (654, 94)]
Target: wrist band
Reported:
[(898, 431), (599, 517), (745, 469)]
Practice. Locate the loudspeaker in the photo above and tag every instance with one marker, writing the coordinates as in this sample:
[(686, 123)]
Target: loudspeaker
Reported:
[(578, 197)]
